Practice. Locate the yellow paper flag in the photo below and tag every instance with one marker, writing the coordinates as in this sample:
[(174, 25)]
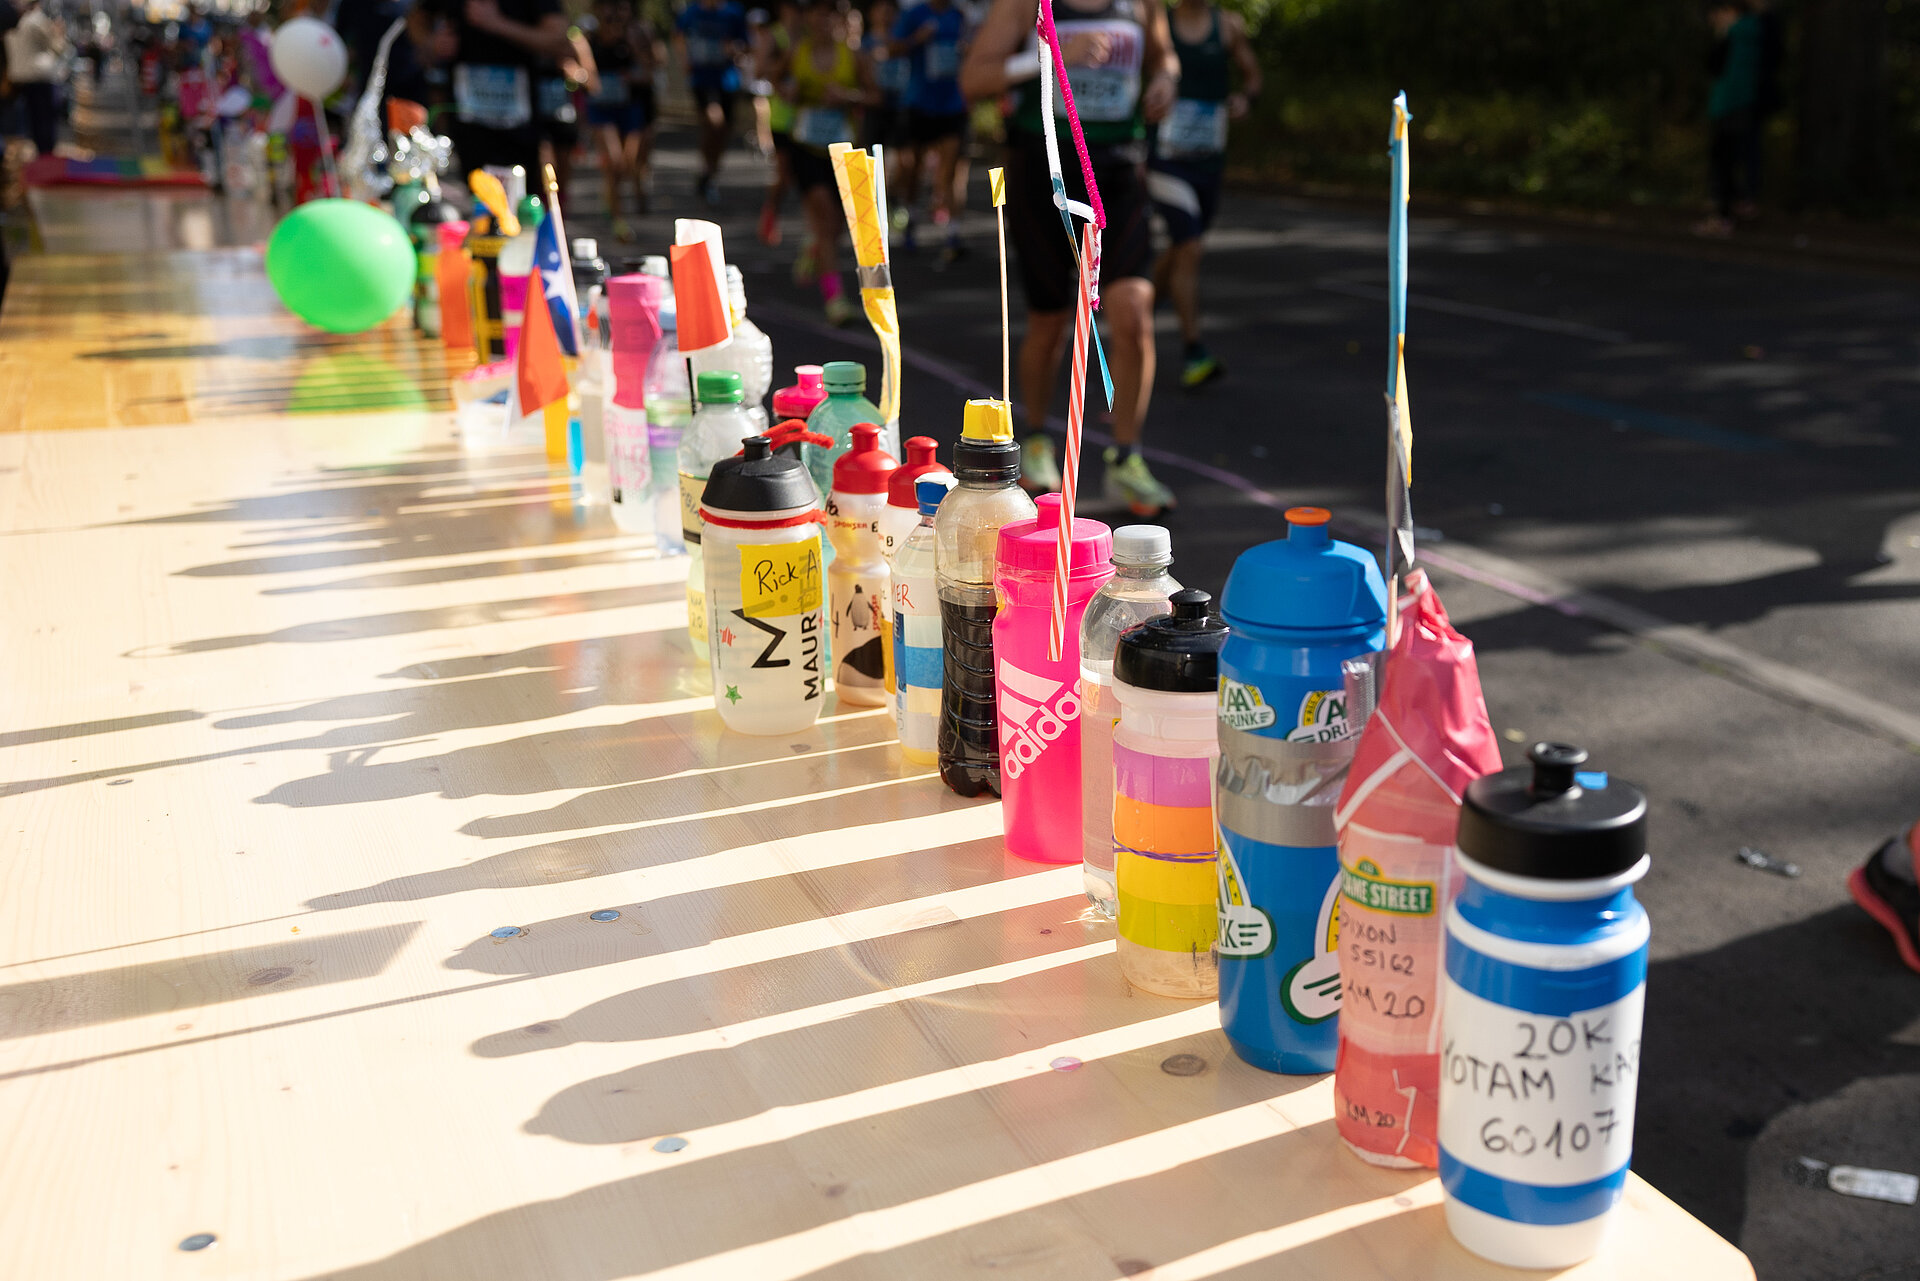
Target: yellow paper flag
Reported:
[(997, 184)]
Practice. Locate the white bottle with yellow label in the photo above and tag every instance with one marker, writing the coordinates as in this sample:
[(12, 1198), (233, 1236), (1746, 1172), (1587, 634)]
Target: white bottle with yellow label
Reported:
[(717, 429), (764, 591)]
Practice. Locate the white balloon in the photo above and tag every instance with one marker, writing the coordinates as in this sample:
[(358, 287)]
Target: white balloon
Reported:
[(309, 57)]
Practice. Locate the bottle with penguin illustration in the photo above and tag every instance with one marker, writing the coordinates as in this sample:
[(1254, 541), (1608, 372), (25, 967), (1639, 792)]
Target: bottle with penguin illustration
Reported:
[(858, 585)]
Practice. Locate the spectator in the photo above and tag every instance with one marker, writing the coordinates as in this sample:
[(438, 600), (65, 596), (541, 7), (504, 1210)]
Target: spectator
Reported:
[(34, 50), (1731, 114)]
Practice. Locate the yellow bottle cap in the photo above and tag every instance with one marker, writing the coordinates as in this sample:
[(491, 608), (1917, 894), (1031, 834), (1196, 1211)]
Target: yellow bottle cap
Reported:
[(987, 420)]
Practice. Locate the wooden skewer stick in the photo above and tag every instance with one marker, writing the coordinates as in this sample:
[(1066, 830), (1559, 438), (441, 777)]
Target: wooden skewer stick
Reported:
[(997, 182)]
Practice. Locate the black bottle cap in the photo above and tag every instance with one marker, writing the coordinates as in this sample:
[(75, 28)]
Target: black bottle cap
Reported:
[(1177, 652), (759, 480), (986, 460), (1553, 820), (432, 213)]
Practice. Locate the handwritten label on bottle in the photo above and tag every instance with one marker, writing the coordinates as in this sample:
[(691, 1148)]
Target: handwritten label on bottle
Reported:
[(780, 578), (1536, 1098)]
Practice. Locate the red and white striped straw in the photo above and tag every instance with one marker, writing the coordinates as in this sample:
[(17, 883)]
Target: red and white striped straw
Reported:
[(1076, 413)]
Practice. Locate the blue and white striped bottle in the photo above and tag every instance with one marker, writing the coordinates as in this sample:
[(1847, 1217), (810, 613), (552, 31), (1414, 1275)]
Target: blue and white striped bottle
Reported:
[(1546, 959)]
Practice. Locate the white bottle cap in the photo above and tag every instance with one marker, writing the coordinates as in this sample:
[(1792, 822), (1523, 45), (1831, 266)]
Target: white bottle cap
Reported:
[(1142, 545), (586, 247)]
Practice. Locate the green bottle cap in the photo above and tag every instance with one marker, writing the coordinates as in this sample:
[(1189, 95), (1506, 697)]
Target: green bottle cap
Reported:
[(718, 387)]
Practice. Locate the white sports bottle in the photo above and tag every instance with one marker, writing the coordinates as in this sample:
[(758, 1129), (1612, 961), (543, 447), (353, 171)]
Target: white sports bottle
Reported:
[(715, 433), (918, 650), (857, 584), (761, 553)]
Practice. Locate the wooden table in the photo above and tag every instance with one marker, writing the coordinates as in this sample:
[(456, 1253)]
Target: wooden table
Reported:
[(381, 896)]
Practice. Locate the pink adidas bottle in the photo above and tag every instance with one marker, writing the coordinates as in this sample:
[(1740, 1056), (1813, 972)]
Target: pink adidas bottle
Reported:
[(1039, 708)]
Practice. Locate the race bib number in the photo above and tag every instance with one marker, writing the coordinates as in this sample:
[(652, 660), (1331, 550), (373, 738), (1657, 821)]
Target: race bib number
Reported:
[(555, 102), (614, 92), (893, 74), (820, 126), (1194, 128), (705, 52), (1109, 91), (943, 60), (495, 97)]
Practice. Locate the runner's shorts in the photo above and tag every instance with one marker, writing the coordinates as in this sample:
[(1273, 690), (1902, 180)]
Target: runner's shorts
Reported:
[(720, 93), (1187, 194), (925, 128), (811, 169), (628, 117), (1047, 270)]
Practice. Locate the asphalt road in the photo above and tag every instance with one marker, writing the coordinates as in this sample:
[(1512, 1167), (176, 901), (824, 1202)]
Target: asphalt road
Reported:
[(1674, 498)]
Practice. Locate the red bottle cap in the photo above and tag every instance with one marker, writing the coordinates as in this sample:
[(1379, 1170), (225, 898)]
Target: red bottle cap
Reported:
[(920, 462), (866, 467)]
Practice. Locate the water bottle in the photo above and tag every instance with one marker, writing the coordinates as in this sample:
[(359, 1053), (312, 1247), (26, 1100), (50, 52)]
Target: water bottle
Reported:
[(986, 467), (845, 405), (483, 245), (424, 221), (516, 264), (916, 631), (669, 414), (453, 272), (800, 400), (901, 515), (750, 354), (1166, 677), (1038, 696), (1138, 591), (1298, 607), (715, 434), (761, 552), (633, 302), (858, 588), (1540, 1023)]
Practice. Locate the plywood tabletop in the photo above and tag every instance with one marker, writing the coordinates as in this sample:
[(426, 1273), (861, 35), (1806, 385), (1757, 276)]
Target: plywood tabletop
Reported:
[(325, 751)]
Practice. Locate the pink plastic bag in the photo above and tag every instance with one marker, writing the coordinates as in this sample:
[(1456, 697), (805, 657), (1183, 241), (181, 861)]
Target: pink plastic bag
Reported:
[(1428, 737)]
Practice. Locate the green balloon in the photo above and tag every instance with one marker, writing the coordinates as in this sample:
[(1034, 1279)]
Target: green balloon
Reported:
[(341, 265)]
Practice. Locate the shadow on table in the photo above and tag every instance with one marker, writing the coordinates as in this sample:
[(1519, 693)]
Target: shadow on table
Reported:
[(824, 983), (765, 1200), (160, 987)]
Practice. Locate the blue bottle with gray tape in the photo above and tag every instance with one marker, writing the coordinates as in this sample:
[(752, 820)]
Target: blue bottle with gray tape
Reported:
[(1299, 607), (1540, 1022)]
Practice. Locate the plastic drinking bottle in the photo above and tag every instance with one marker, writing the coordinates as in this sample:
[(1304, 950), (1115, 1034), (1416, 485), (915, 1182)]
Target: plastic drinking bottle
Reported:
[(845, 405), (1039, 699), (453, 269), (1540, 1024), (516, 264), (1166, 676), (916, 632), (902, 513), (857, 586), (800, 400), (669, 414), (986, 464), (1298, 606), (716, 433), (750, 354), (634, 304), (762, 550), (424, 221), (1138, 591)]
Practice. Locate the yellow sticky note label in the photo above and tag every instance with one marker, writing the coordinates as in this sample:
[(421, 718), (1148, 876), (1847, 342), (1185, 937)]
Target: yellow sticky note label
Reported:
[(997, 185), (780, 578)]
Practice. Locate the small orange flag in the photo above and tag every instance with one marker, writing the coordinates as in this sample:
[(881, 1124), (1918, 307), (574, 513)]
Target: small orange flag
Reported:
[(696, 296), (542, 376)]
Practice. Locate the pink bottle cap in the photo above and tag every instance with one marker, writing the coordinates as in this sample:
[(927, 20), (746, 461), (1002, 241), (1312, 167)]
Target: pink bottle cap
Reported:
[(453, 234), (865, 468), (1028, 546), (809, 389), (901, 490)]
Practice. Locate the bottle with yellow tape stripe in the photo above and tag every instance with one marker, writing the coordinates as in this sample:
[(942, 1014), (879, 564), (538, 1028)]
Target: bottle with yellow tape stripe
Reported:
[(1166, 673)]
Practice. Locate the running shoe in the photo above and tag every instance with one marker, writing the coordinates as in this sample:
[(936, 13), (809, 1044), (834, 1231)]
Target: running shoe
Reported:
[(1201, 367), (953, 251), (1893, 902), (1039, 473), (712, 194), (841, 311), (804, 266), (1129, 481), (769, 225), (623, 231)]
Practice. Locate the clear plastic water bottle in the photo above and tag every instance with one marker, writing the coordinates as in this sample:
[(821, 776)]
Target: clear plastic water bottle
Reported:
[(716, 432), (669, 412), (917, 645), (750, 354), (1138, 591)]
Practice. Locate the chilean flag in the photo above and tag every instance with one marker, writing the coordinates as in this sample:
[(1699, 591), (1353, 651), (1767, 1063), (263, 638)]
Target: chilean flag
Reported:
[(554, 273)]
